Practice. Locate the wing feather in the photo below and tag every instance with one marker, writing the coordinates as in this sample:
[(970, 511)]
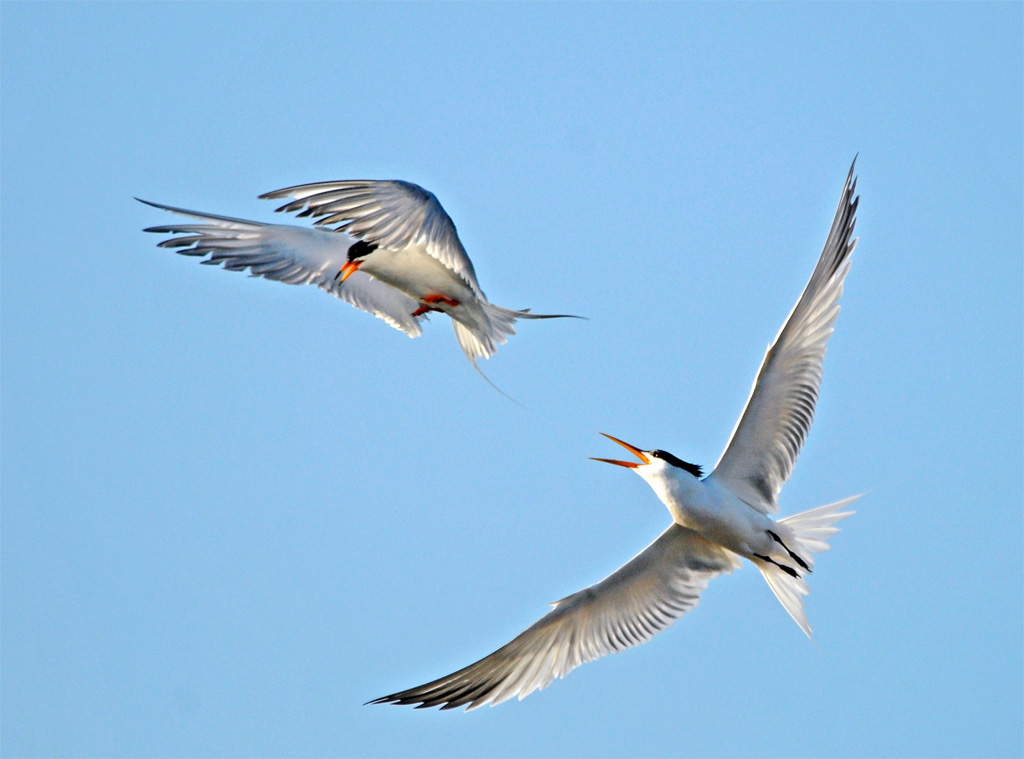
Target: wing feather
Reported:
[(289, 254), (627, 608), (390, 213), (767, 439)]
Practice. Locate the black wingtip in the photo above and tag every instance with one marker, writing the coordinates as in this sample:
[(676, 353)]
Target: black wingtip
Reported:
[(398, 701), (851, 180)]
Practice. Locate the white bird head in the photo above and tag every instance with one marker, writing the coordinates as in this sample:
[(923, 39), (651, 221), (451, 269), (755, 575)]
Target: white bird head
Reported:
[(653, 464)]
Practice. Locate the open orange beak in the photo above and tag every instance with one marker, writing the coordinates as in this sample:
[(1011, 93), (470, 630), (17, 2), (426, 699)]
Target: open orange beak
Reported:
[(631, 448), (348, 270)]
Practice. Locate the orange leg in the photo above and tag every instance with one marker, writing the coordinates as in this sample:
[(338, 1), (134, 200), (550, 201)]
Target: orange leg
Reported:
[(428, 302)]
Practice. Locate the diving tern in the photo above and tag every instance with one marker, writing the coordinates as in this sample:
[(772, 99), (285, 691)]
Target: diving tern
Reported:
[(393, 252), (715, 520)]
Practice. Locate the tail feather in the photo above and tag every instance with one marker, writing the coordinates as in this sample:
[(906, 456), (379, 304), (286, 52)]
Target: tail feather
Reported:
[(811, 530), (475, 344), (483, 341), (814, 526), (790, 591)]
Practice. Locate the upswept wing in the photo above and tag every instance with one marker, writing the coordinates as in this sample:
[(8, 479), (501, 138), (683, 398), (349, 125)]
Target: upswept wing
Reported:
[(293, 255), (390, 213), (627, 608), (771, 431)]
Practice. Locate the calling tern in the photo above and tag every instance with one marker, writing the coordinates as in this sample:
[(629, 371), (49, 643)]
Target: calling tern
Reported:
[(716, 520)]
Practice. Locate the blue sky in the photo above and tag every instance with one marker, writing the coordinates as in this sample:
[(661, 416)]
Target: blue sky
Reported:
[(233, 511)]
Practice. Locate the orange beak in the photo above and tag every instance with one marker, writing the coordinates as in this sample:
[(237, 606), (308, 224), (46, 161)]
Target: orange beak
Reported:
[(348, 270), (631, 448)]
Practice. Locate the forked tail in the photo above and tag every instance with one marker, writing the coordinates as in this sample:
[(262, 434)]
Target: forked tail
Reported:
[(482, 339), (811, 529)]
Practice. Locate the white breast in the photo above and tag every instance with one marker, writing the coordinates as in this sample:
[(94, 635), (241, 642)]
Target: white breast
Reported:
[(708, 508), (416, 274)]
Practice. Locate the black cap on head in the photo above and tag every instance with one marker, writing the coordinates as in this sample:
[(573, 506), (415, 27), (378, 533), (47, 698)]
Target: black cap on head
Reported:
[(361, 249)]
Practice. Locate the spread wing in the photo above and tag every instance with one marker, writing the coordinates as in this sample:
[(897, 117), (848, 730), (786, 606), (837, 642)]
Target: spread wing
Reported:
[(769, 434), (294, 255), (390, 213), (627, 608)]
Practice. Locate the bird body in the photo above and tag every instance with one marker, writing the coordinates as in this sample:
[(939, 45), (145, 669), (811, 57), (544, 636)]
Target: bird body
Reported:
[(416, 273), (716, 513), (783, 550), (478, 323), (393, 252), (716, 520), (708, 508)]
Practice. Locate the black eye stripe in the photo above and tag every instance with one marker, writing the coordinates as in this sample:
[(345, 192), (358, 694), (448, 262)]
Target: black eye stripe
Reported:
[(668, 458)]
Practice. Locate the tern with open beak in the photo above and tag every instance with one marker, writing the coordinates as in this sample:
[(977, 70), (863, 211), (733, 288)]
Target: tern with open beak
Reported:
[(716, 520), (393, 252)]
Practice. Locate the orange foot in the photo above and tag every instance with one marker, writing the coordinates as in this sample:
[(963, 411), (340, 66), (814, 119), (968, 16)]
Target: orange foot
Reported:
[(428, 302)]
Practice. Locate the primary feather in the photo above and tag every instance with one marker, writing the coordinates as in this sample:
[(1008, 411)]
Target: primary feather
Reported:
[(770, 432)]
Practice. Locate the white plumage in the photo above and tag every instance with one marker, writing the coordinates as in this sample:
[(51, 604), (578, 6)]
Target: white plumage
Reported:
[(393, 252), (716, 520)]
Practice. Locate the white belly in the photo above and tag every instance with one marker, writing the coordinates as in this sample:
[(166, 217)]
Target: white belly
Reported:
[(717, 514), (416, 274)]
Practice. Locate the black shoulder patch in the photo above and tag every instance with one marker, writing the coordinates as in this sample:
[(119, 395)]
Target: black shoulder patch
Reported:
[(693, 469), (361, 249)]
